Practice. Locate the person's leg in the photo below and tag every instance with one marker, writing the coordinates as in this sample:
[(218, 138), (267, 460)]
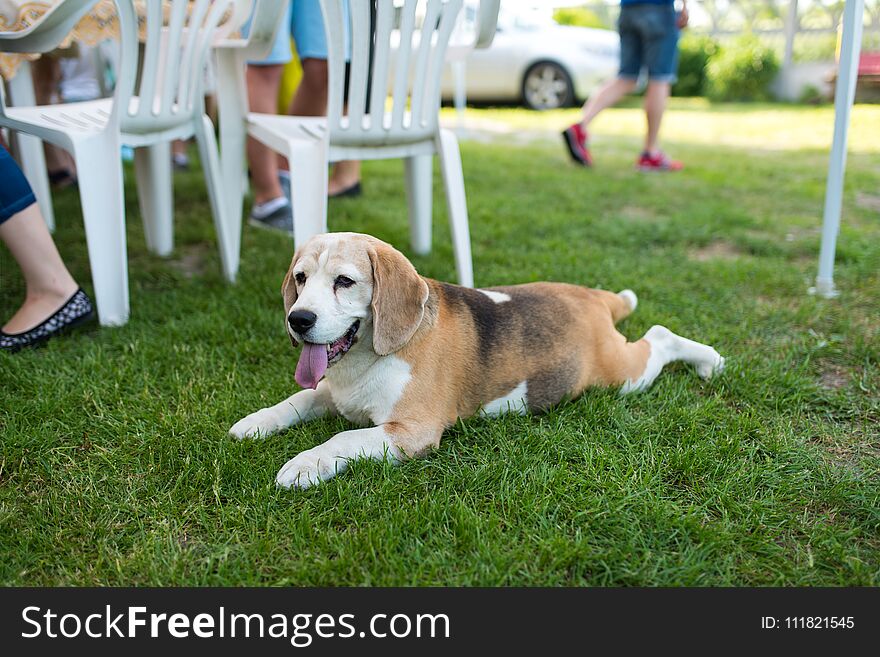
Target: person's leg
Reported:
[(344, 178), (53, 300), (263, 82), (607, 95), (630, 68), (576, 135), (48, 283), (310, 98), (263, 79), (179, 155), (660, 44), (655, 104)]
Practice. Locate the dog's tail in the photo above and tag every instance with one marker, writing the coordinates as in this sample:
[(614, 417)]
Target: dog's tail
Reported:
[(620, 304)]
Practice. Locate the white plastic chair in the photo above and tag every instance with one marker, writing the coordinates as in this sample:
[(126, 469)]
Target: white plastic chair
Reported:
[(20, 92), (475, 28), (232, 52), (149, 109), (42, 37), (406, 128)]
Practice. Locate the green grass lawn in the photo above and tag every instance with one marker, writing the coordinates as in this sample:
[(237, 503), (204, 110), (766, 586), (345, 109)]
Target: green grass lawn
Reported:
[(116, 468)]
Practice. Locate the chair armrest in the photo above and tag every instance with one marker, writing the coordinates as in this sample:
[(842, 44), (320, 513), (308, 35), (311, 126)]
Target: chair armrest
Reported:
[(266, 20), (487, 20), (49, 31)]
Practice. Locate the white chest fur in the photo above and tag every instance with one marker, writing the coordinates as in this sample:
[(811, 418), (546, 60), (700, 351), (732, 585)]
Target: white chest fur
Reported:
[(365, 388)]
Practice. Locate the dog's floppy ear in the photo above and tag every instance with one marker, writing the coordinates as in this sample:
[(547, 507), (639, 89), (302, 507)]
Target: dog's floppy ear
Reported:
[(288, 291), (399, 297)]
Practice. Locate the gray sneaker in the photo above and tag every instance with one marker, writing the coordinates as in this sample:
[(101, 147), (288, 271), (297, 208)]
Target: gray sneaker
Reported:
[(280, 220)]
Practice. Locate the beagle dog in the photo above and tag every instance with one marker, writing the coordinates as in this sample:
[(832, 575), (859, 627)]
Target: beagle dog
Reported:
[(406, 355)]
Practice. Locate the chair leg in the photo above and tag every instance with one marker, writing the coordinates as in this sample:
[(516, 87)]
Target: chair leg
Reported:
[(227, 218), (232, 108), (30, 148), (453, 178), (103, 208), (308, 188), (419, 171), (152, 166), (33, 164)]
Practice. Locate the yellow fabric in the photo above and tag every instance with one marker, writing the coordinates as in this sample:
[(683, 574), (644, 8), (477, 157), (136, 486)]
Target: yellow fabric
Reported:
[(290, 79)]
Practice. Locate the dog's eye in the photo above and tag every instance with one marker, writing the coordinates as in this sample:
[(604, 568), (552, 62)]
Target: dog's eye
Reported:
[(300, 278), (343, 281)]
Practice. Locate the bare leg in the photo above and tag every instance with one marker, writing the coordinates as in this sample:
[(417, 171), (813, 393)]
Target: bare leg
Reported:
[(262, 88), (178, 153), (607, 95), (310, 98), (655, 104), (345, 174), (48, 283)]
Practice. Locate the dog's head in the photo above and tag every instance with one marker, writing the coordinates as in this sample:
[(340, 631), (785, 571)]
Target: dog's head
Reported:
[(348, 289)]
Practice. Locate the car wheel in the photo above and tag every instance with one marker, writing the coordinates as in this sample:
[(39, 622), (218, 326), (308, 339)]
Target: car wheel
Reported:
[(546, 85)]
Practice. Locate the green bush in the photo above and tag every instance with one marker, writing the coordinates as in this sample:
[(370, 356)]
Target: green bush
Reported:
[(578, 16), (694, 52), (812, 95), (742, 70)]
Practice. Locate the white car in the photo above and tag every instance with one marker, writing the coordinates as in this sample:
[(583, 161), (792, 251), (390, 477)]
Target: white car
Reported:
[(536, 61)]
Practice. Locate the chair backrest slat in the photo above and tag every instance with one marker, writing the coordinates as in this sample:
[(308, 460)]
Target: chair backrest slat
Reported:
[(169, 69), (150, 65), (419, 81), (128, 59), (401, 74), (172, 61), (381, 47), (436, 61), (417, 64), (335, 62), (360, 62)]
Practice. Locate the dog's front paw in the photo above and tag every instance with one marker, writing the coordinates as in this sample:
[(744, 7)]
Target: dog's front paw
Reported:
[(712, 366), (307, 469), (257, 425)]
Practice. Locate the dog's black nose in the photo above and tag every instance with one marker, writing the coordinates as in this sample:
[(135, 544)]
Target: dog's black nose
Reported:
[(301, 320)]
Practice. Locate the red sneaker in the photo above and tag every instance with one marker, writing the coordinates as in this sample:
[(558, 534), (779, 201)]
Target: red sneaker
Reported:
[(657, 162), (575, 138)]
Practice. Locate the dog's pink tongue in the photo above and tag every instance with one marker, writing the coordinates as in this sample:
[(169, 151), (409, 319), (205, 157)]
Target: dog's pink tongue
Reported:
[(312, 364)]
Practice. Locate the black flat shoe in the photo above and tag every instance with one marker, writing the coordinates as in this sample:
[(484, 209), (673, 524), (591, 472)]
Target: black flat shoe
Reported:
[(77, 310), (348, 192)]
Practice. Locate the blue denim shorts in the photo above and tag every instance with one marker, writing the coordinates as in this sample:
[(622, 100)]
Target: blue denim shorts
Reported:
[(307, 29), (15, 192), (648, 39)]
